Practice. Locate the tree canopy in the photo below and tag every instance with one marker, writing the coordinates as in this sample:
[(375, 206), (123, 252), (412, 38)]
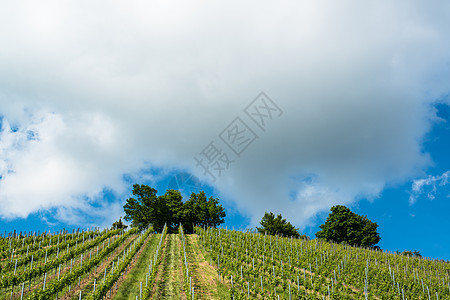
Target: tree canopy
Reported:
[(342, 225), (276, 226), (119, 225), (202, 212), (149, 209)]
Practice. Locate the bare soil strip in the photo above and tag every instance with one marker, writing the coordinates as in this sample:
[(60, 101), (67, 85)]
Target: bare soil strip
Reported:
[(74, 293), (53, 276), (132, 264), (136, 271)]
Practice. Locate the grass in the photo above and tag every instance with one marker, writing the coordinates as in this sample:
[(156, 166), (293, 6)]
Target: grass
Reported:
[(206, 281), (170, 285)]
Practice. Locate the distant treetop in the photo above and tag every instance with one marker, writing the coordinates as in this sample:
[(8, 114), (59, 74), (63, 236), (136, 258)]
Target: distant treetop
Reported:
[(342, 225), (277, 226), (119, 225)]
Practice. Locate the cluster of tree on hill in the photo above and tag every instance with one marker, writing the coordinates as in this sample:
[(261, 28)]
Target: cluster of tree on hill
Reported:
[(147, 208), (341, 226)]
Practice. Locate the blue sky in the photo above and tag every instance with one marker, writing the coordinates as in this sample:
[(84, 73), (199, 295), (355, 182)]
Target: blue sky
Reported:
[(316, 105)]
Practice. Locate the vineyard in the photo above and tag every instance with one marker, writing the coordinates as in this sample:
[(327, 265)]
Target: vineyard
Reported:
[(210, 264)]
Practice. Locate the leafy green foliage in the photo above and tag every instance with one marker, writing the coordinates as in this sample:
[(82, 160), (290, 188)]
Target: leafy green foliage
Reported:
[(39, 268), (198, 211), (148, 208), (107, 284), (77, 271), (268, 267), (276, 226), (342, 225), (142, 210), (119, 225)]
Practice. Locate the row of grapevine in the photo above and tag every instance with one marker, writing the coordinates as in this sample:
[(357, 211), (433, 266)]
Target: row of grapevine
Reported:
[(117, 270), (76, 272), (52, 274), (269, 266), (20, 256), (40, 262), (20, 243), (150, 276), (93, 264), (187, 278)]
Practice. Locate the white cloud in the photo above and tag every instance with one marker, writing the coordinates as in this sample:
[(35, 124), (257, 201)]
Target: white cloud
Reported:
[(55, 167), (431, 183), (110, 89)]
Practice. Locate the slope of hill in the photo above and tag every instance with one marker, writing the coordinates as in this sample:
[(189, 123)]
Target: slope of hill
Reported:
[(210, 264)]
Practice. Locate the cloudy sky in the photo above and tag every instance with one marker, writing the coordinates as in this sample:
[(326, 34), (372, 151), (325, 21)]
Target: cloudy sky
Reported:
[(290, 108)]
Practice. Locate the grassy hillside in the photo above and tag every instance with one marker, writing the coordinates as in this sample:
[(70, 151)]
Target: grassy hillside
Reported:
[(210, 264)]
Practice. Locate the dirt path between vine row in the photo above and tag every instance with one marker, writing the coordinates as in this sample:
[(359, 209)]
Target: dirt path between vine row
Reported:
[(355, 290), (99, 270), (130, 266), (169, 279), (50, 277)]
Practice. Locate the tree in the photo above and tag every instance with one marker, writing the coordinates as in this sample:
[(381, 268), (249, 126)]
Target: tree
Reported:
[(141, 210), (276, 226), (201, 212), (342, 225), (149, 209), (216, 213), (173, 202), (119, 225)]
